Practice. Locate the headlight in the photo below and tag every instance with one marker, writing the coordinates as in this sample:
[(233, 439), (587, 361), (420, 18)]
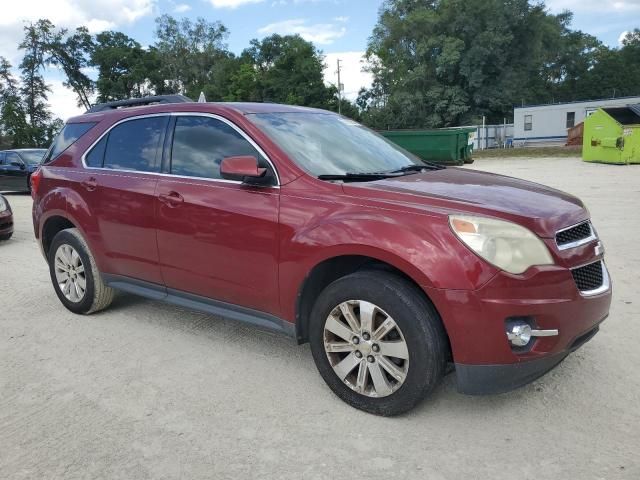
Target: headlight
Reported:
[(3, 204), (506, 245)]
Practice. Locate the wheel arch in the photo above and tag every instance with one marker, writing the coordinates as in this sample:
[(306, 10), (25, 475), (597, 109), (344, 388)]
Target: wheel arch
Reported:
[(333, 268), (51, 227)]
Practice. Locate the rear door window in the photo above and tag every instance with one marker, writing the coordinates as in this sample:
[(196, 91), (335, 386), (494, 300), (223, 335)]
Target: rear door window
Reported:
[(69, 135), (136, 145)]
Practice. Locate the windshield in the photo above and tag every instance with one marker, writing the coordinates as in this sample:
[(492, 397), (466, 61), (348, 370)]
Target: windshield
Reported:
[(32, 157), (329, 144)]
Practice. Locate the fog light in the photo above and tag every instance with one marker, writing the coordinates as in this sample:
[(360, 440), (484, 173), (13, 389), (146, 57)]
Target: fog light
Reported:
[(519, 332), (519, 335)]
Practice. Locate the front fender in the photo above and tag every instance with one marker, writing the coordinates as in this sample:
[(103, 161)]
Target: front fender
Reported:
[(421, 246)]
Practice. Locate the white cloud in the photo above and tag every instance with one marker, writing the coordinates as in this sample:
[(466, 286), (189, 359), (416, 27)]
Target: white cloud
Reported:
[(622, 36), (320, 33), (232, 3), (580, 6), (62, 101), (182, 8), (351, 74), (96, 15)]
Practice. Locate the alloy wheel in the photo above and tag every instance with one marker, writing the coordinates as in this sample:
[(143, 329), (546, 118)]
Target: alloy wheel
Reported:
[(70, 273), (366, 348)]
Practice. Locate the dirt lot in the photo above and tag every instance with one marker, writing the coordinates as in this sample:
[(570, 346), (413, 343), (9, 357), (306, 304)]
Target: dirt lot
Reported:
[(148, 391)]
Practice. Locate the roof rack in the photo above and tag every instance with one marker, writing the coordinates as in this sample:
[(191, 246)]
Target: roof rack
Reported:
[(137, 102)]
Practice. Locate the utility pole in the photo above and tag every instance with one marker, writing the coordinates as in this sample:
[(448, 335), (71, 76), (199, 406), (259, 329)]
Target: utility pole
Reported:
[(339, 90)]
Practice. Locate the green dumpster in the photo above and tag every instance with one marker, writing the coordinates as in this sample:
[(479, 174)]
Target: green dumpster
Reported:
[(612, 135), (450, 146)]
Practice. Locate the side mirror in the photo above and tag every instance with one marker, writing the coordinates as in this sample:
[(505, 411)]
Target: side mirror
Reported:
[(243, 168), (18, 164)]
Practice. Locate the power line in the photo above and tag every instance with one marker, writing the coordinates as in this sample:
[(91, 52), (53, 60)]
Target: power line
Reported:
[(340, 88)]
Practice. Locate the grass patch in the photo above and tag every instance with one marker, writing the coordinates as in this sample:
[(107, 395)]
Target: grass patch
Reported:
[(529, 152)]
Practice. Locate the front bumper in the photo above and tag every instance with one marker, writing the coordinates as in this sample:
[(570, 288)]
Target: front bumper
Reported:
[(476, 322), (6, 223), (492, 379)]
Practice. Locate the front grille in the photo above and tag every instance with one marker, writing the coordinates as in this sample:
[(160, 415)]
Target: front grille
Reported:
[(5, 225), (589, 277), (574, 234)]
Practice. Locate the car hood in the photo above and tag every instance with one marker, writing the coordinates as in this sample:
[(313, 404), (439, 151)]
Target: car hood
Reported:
[(542, 209)]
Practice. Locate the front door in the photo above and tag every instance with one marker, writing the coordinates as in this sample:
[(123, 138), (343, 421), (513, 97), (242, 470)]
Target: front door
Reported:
[(217, 238), (14, 173), (3, 157)]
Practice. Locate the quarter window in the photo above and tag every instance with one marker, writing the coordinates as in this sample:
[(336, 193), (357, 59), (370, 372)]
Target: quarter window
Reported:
[(135, 145), (200, 144), (69, 134), (528, 123)]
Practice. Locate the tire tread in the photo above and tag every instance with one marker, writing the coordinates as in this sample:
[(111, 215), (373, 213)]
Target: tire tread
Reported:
[(102, 294)]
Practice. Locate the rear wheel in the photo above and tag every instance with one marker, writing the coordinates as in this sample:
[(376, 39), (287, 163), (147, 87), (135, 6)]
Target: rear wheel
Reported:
[(75, 276), (377, 342)]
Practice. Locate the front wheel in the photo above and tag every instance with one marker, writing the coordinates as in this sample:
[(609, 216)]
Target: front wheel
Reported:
[(377, 342)]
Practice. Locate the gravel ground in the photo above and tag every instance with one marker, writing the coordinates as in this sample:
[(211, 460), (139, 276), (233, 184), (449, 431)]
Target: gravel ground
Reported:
[(149, 391)]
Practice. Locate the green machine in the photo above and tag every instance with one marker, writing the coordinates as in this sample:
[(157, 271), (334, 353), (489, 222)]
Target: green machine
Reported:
[(449, 146), (612, 135)]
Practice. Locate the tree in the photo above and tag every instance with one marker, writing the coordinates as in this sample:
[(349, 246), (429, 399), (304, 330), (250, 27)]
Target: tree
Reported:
[(188, 54), (441, 63), (34, 90), (13, 123), (69, 52), (616, 72), (282, 69), (125, 69)]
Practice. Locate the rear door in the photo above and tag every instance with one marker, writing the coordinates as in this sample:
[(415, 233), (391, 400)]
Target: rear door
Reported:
[(119, 186), (217, 238), (3, 156)]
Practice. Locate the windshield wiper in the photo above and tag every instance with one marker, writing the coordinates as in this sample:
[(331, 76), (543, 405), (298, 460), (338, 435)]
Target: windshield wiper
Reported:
[(360, 177), (418, 168), (369, 176)]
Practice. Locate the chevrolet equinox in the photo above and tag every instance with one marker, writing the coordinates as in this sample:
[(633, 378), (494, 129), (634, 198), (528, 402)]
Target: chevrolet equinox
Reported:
[(304, 222)]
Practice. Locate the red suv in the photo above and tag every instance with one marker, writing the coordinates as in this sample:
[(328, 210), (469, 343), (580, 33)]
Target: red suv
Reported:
[(304, 222)]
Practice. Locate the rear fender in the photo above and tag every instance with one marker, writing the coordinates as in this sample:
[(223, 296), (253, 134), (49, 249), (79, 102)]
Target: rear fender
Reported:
[(66, 203)]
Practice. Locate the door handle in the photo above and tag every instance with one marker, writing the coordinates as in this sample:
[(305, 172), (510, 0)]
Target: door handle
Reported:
[(90, 184), (172, 199)]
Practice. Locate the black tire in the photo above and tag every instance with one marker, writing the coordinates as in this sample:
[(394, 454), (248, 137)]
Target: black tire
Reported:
[(97, 295), (420, 325), (6, 236)]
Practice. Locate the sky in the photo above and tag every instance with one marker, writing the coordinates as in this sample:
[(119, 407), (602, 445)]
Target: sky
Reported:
[(340, 28)]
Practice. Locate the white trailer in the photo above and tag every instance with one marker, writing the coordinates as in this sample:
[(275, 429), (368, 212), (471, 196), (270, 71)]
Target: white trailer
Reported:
[(548, 124)]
